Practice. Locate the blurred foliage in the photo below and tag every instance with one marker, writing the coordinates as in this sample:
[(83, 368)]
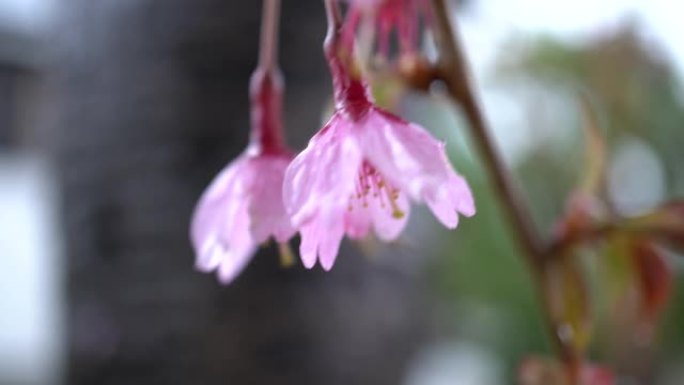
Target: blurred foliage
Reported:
[(631, 79), (639, 93), (636, 92)]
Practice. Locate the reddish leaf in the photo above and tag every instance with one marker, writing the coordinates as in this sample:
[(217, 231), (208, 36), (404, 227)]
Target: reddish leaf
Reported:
[(542, 371), (655, 278), (597, 375)]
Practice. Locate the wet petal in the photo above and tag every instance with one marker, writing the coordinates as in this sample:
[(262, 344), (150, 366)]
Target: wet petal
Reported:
[(210, 211), (390, 218), (447, 201), (357, 221), (321, 239), (238, 248), (308, 248), (322, 176), (266, 208), (329, 241), (220, 228), (410, 158), (403, 152), (232, 264)]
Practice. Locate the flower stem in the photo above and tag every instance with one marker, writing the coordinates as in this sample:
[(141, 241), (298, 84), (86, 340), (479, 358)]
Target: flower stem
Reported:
[(268, 50), (332, 12), (266, 87), (453, 71)]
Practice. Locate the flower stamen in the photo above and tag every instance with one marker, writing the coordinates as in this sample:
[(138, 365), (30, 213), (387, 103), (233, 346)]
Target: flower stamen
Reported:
[(286, 255), (371, 183)]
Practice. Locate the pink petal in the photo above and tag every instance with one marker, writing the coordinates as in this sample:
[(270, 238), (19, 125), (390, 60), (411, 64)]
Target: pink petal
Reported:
[(308, 248), (411, 159), (321, 238), (266, 208), (241, 208), (220, 225), (322, 176), (317, 188), (206, 217), (330, 239), (357, 221), (387, 222), (444, 202), (239, 249), (232, 266)]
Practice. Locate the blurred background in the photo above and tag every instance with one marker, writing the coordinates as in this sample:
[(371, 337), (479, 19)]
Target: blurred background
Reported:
[(115, 114)]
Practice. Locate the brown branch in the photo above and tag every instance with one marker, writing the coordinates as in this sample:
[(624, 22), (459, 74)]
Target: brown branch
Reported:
[(268, 50), (453, 71)]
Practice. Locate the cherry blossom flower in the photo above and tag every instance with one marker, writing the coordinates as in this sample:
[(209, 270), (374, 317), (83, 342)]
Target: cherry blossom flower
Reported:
[(362, 168), (386, 17), (243, 205), (241, 209)]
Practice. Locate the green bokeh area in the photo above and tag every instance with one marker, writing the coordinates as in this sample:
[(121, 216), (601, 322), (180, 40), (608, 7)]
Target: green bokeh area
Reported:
[(479, 270)]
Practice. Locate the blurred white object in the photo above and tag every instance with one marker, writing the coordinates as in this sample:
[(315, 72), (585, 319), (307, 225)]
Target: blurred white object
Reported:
[(636, 178), (455, 363), (26, 15), (486, 26), (31, 328)]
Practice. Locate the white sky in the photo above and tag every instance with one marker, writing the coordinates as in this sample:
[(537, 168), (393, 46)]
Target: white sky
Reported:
[(496, 19), (25, 15), (488, 23)]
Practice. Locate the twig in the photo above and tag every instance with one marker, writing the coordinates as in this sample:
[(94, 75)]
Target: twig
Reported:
[(268, 51), (453, 71)]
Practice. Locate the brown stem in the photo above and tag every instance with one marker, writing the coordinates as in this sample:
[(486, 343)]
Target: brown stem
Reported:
[(334, 16), (268, 50), (453, 71), (601, 231)]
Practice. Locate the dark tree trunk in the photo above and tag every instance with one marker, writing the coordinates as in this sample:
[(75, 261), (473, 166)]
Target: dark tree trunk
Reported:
[(152, 97)]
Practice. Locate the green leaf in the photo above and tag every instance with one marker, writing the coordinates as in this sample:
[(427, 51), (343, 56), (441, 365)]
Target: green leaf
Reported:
[(569, 301)]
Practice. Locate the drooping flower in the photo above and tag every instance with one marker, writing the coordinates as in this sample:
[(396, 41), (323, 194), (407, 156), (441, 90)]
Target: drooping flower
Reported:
[(402, 17), (241, 209), (389, 33), (243, 205), (360, 170)]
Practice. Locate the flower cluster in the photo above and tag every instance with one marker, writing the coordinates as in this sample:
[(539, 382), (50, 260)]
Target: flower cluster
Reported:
[(358, 173)]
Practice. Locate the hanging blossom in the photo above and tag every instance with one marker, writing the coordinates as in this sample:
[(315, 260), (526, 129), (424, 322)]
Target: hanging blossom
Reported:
[(402, 17), (243, 206), (360, 170)]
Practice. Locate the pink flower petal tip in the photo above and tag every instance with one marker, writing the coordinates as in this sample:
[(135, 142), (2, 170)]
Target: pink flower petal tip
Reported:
[(241, 208)]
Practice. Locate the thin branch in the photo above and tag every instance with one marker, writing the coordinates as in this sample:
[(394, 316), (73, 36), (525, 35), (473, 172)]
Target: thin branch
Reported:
[(268, 50), (453, 71)]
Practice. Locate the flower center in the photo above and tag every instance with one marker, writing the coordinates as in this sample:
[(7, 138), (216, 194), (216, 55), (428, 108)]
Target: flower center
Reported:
[(370, 184)]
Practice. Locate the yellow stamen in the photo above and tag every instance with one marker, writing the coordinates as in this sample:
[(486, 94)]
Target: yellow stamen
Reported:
[(396, 211), (371, 185), (287, 258)]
